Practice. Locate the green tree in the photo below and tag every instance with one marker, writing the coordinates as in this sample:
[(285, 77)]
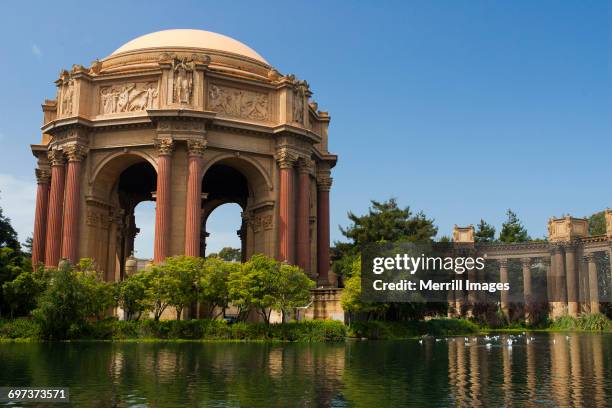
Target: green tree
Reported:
[(512, 229), (230, 254), (132, 296), (597, 223), (21, 293), (485, 232), (351, 295), (293, 289), (60, 312), (254, 286), (100, 295), (8, 235), (157, 290), (212, 285), (385, 221)]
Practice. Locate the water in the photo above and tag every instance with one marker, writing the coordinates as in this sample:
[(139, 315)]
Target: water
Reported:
[(551, 370)]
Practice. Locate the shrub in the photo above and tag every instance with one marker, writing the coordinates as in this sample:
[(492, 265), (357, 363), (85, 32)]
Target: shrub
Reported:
[(19, 329), (400, 330)]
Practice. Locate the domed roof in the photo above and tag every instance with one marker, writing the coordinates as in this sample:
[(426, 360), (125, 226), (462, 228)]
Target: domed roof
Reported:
[(186, 38)]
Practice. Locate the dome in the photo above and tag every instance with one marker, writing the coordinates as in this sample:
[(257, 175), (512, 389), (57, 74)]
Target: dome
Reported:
[(193, 39)]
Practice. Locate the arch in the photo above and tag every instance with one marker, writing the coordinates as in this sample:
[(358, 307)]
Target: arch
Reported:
[(106, 173), (250, 168), (113, 156)]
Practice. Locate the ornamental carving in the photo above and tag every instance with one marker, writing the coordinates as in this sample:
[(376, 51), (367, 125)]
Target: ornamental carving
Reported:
[(56, 157), (197, 147), (324, 183), (299, 93), (286, 159), (164, 145), (75, 152), (183, 80), (130, 97), (238, 103), (258, 223), (67, 97), (43, 176)]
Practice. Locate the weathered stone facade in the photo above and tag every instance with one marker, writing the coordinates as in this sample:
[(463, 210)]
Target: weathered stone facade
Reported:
[(191, 120), (568, 257)]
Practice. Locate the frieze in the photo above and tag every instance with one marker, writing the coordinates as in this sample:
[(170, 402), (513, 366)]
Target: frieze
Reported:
[(129, 97), (239, 103)]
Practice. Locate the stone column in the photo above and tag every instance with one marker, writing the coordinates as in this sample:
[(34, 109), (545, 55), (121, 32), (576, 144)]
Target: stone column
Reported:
[(165, 147), (593, 284), (43, 177), (193, 218), (286, 205), (70, 235), (527, 292), (303, 217), (503, 278), (56, 205), (557, 273), (323, 187), (572, 282)]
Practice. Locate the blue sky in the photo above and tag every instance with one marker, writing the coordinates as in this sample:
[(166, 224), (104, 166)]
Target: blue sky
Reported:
[(461, 109)]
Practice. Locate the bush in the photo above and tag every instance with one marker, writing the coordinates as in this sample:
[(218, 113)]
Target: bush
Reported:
[(586, 322), (401, 330), (19, 329)]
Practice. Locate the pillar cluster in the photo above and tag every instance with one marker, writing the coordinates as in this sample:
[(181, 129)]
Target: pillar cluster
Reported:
[(294, 240)]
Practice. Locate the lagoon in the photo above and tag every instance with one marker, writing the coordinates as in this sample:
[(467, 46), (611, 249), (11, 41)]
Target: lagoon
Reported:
[(547, 369)]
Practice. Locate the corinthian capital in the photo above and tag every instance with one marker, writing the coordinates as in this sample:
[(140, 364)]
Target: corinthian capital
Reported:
[(324, 183), (43, 176), (164, 145), (305, 166), (75, 152), (286, 159), (56, 157), (196, 146)]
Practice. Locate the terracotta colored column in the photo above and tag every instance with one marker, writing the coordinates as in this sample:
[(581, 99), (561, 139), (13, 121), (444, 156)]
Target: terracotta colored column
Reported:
[(70, 234), (193, 218), (503, 278), (56, 206), (323, 187), (43, 177), (286, 227), (161, 250), (526, 263), (593, 284), (557, 273), (303, 218), (572, 282)]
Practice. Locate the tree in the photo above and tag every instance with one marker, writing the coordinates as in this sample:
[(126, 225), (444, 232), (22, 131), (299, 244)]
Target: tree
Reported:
[(8, 235), (100, 295), (513, 230), (71, 297), (485, 232), (254, 286), (386, 222), (230, 254), (173, 284), (21, 293), (132, 296), (293, 289), (597, 223), (212, 287), (351, 295)]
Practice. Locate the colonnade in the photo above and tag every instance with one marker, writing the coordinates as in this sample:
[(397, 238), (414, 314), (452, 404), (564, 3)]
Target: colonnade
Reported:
[(56, 229)]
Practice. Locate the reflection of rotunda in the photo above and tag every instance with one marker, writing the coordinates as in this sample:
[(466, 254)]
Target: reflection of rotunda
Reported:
[(191, 120)]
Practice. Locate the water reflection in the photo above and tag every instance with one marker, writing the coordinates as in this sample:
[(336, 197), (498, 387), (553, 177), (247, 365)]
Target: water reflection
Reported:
[(549, 370)]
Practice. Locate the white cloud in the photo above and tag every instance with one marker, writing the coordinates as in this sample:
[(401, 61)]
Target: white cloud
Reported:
[(36, 50), (18, 201)]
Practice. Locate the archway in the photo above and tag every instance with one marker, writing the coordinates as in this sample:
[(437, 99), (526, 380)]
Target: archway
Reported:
[(223, 185), (120, 184), (223, 232)]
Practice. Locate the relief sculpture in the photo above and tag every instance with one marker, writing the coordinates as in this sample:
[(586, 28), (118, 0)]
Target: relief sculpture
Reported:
[(238, 103), (130, 97), (183, 80)]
